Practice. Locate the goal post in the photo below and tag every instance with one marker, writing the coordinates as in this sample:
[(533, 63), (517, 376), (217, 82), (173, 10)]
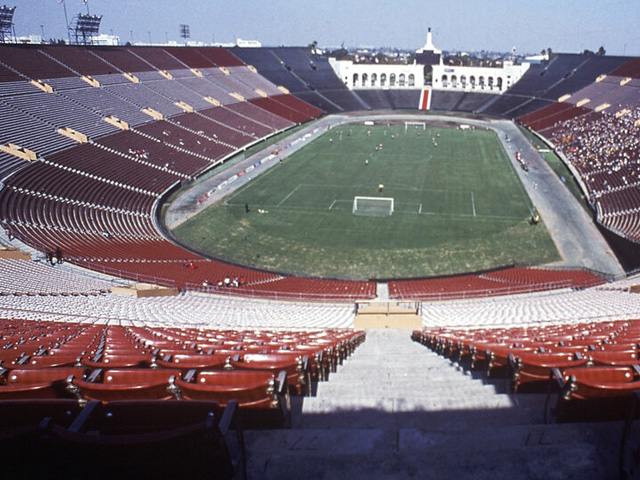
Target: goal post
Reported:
[(373, 206), (417, 125)]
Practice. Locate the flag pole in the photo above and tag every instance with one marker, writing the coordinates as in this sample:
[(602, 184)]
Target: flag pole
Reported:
[(66, 19)]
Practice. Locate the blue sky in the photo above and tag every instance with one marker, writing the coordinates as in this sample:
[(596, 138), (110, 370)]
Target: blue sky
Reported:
[(496, 25)]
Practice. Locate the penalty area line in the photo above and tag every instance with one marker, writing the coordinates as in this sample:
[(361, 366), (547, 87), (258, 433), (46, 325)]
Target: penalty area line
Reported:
[(473, 204), (332, 204), (289, 195)]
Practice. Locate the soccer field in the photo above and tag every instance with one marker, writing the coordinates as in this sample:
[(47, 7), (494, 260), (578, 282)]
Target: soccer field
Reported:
[(458, 207)]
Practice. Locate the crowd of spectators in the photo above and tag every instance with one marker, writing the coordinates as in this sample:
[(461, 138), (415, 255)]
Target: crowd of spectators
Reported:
[(604, 149)]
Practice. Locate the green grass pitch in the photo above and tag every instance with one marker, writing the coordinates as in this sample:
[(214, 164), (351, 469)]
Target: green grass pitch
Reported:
[(459, 207)]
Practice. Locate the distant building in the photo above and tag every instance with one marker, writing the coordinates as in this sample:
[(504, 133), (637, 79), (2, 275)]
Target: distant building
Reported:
[(428, 69), (249, 43), (105, 40), (29, 39)]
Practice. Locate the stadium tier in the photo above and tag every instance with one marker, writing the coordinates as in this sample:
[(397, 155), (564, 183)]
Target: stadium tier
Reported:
[(186, 110)]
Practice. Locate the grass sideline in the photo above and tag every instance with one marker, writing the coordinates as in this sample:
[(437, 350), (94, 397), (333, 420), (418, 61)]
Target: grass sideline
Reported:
[(459, 207)]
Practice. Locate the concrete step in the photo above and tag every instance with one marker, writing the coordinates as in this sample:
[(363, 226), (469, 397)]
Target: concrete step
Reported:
[(405, 389), (584, 451), (398, 412)]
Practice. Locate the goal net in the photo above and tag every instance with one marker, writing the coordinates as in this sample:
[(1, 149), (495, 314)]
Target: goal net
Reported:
[(373, 206), (414, 125)]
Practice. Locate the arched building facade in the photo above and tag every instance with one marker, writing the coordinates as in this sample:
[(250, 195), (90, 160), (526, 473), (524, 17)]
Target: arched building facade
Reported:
[(496, 80)]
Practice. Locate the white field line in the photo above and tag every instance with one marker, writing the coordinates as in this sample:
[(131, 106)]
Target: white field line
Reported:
[(289, 195)]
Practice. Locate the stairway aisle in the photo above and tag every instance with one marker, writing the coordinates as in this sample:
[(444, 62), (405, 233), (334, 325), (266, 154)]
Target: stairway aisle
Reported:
[(398, 382), (397, 410)]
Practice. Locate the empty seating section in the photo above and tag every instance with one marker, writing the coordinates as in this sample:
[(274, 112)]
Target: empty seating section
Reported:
[(23, 277), (181, 138), (188, 57), (110, 399), (501, 282), (271, 67), (377, 99), (343, 98), (260, 115), (106, 104), (203, 86), (321, 101), (27, 131), (551, 114), (314, 70), (543, 84), (193, 273), (255, 81), (151, 150), (215, 130), (231, 84), (588, 361), (121, 169), (204, 311), (539, 276), (158, 58), (32, 63), (8, 89), (9, 164), (54, 182), (309, 77), (144, 97), (123, 60), (225, 116), (80, 60), (113, 363), (205, 57), (9, 76), (59, 112), (506, 103), (631, 68), (279, 108), (307, 288), (297, 104), (221, 57), (177, 92)]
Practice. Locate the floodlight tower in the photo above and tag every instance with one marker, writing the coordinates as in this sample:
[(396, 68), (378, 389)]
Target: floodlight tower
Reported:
[(85, 28), (184, 32), (6, 23)]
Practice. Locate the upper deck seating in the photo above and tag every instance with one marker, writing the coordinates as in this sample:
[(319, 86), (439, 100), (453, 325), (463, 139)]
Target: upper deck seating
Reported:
[(59, 112), (31, 62), (631, 68)]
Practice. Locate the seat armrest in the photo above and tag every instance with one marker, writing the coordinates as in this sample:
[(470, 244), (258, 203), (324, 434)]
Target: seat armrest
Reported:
[(190, 375), (79, 422), (94, 375), (228, 416)]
